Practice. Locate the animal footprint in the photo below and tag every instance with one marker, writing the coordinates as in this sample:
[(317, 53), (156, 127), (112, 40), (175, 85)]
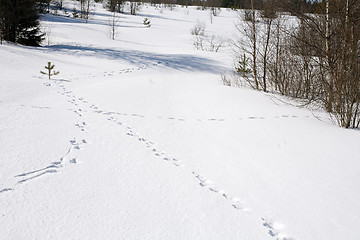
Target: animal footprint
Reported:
[(81, 126), (239, 205), (214, 189), (274, 229), (202, 181), (6, 189), (77, 144)]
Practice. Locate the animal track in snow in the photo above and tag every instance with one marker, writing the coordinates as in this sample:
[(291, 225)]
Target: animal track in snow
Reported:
[(198, 119), (52, 168), (226, 196), (79, 112), (275, 230), (114, 73), (6, 189), (39, 107), (137, 115), (73, 160), (77, 144), (37, 173), (240, 205), (131, 133), (71, 156), (236, 203), (81, 126)]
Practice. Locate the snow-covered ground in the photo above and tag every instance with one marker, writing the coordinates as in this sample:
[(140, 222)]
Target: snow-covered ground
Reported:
[(136, 138)]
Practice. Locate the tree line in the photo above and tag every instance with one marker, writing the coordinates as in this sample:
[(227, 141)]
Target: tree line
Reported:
[(19, 19), (312, 57)]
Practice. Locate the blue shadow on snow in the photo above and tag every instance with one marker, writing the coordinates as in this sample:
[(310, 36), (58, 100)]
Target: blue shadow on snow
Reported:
[(184, 62)]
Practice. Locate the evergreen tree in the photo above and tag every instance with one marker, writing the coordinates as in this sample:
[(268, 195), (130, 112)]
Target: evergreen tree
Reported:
[(20, 22), (50, 68)]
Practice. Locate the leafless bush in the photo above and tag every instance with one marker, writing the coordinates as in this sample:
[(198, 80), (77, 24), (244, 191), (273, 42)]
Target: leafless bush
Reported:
[(225, 80), (204, 42), (215, 42), (232, 80), (198, 29)]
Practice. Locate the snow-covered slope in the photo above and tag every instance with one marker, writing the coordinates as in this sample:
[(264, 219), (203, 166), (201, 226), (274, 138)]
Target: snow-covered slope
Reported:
[(137, 139)]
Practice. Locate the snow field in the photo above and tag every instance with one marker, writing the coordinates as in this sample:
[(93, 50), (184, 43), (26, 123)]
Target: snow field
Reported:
[(137, 139)]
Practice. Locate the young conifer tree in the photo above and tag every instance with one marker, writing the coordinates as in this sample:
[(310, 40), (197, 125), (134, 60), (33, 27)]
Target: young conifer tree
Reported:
[(50, 68)]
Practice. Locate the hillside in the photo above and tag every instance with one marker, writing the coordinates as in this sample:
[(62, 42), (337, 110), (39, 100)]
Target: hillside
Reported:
[(137, 138)]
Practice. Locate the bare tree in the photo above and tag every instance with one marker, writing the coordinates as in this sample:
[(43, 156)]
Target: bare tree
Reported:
[(2, 22), (338, 27), (315, 60), (113, 25), (267, 15), (87, 9), (247, 42), (254, 42), (59, 4), (326, 46), (133, 7), (115, 5)]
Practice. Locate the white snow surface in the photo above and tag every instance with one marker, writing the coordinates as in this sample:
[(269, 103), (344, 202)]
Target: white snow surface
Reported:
[(136, 138)]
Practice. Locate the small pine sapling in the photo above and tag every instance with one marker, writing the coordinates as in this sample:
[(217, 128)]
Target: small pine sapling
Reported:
[(75, 13), (50, 68), (242, 66), (147, 22)]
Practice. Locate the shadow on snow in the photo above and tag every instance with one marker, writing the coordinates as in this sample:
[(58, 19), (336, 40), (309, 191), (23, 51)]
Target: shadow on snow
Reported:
[(184, 62)]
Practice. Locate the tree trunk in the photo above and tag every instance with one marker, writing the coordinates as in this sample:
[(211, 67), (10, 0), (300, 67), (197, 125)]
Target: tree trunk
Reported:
[(269, 23), (330, 84), (277, 55), (254, 53)]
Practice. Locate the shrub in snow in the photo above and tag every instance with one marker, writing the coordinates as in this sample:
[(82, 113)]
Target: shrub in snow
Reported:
[(204, 42), (75, 13), (147, 22), (214, 43), (198, 29), (242, 66)]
